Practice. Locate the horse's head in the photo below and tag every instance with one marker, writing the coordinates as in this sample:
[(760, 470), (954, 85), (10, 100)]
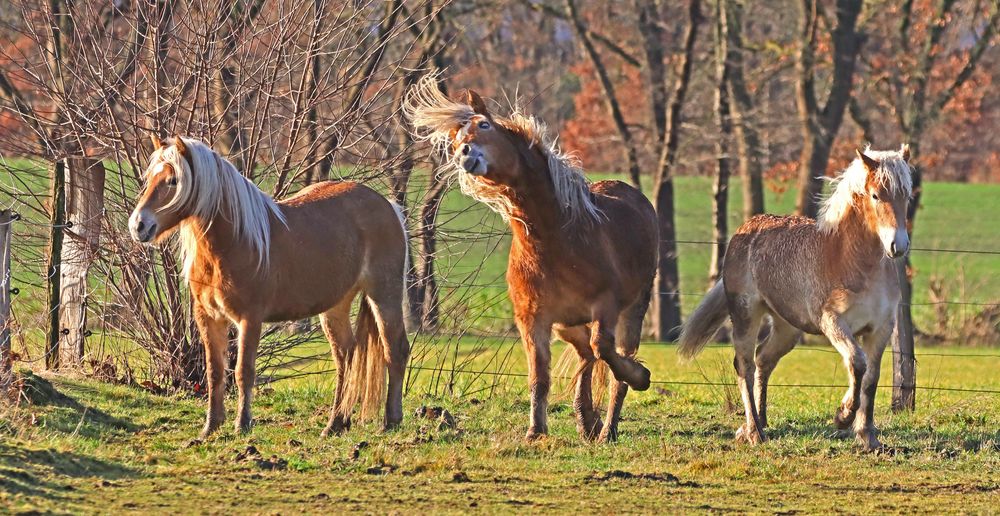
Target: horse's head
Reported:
[(159, 210), (482, 147), (886, 199)]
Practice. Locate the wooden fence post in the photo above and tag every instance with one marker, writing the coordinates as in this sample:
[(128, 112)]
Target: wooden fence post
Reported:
[(904, 363), (84, 216), (56, 223), (6, 360)]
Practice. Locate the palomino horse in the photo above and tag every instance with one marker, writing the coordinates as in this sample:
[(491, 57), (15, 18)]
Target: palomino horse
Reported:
[(834, 276), (250, 260), (583, 255)]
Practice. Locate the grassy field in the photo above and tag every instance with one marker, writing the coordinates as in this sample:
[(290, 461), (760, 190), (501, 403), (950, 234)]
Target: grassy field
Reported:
[(85, 446)]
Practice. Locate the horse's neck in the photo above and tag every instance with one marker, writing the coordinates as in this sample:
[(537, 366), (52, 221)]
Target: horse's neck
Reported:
[(214, 245), (536, 218), (853, 251)]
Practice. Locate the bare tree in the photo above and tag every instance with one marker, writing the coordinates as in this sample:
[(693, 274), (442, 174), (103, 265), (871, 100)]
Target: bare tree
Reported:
[(820, 123), (750, 152), (667, 306), (720, 197), (610, 96)]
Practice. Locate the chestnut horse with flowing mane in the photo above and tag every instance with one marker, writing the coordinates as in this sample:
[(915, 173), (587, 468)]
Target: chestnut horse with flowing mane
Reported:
[(833, 276), (250, 260), (582, 257)]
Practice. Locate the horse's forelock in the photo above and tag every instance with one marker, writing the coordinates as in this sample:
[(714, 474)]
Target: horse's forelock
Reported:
[(893, 174)]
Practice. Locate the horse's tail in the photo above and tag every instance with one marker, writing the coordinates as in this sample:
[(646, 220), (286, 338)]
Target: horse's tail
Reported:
[(365, 378), (701, 326)]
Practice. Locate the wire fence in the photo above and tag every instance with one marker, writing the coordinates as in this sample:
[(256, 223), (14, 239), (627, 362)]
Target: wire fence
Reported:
[(444, 354)]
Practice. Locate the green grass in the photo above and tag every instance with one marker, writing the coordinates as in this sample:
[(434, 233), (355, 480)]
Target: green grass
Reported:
[(104, 448)]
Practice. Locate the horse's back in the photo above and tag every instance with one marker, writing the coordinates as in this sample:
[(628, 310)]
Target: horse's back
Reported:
[(773, 258)]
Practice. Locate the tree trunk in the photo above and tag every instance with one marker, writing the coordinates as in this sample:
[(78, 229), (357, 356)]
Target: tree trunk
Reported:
[(748, 144), (84, 214), (820, 124), (428, 289), (57, 196), (6, 359), (667, 305), (720, 197)]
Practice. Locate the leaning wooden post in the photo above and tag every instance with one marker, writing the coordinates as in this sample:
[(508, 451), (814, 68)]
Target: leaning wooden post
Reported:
[(6, 360), (904, 363), (56, 223)]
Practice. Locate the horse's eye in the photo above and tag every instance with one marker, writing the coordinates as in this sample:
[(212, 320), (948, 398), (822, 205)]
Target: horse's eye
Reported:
[(171, 181), (484, 125), (875, 196)]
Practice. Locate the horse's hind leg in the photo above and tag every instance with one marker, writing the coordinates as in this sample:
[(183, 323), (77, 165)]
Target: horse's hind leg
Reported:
[(782, 339), (588, 423), (628, 334), (336, 324), (387, 305), (746, 321)]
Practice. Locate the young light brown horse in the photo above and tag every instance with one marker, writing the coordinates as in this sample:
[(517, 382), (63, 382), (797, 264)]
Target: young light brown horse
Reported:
[(833, 276), (582, 258), (249, 260)]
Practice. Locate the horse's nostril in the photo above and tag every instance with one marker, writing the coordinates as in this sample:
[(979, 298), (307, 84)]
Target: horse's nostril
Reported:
[(466, 149), (140, 226)]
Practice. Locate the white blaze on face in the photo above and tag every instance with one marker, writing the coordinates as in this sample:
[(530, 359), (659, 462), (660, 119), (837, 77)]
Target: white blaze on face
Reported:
[(142, 223), (895, 241), (470, 156)]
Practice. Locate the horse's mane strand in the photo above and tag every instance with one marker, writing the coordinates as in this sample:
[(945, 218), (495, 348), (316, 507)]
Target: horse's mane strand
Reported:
[(215, 188), (893, 173), (434, 117)]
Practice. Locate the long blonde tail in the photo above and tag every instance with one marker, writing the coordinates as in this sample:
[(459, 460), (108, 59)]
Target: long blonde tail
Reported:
[(365, 378), (701, 326)]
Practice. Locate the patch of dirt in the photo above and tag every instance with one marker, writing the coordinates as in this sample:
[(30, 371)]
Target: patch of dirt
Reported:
[(460, 477), (617, 474), (356, 451), (251, 454), (444, 418)]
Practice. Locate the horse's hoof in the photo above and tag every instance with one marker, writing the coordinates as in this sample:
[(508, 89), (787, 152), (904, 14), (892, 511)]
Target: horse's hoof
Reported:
[(243, 427), (869, 443), (589, 432), (642, 382), (844, 421), (535, 435), (337, 426), (749, 436), (608, 435)]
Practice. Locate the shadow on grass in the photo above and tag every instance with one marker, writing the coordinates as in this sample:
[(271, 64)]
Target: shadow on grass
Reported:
[(67, 415), (38, 473)]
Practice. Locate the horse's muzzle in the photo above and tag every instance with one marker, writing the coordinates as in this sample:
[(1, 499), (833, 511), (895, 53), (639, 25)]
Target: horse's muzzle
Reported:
[(473, 161)]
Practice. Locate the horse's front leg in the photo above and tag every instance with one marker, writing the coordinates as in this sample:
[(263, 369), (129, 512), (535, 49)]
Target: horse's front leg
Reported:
[(625, 368), (214, 336), (246, 374), (536, 335), (855, 361), (864, 423)]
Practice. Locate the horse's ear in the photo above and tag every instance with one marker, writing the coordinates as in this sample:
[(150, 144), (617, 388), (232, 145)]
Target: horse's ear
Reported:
[(179, 143), (870, 163), (157, 144), (904, 149), (473, 99)]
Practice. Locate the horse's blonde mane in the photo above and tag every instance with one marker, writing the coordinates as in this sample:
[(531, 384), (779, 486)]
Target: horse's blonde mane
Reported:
[(435, 117), (215, 188), (893, 173)]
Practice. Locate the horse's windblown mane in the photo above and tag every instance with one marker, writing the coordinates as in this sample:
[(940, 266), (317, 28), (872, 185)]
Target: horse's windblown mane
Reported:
[(434, 117), (893, 173), (215, 188)]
